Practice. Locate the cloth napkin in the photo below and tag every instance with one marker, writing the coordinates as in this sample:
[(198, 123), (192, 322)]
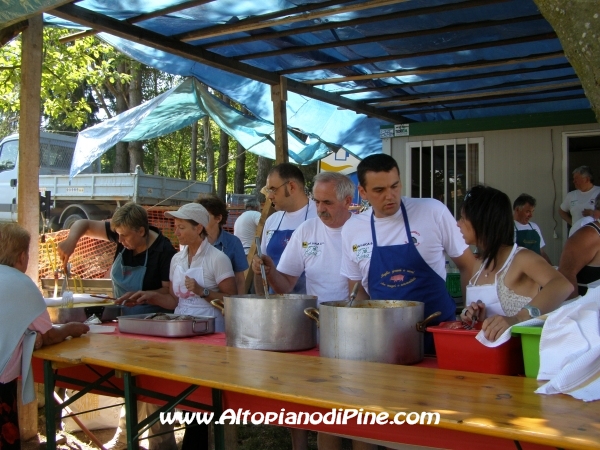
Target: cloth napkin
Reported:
[(570, 349)]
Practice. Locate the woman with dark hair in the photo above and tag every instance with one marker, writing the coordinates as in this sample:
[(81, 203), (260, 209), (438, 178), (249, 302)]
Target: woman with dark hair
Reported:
[(505, 287), (224, 241)]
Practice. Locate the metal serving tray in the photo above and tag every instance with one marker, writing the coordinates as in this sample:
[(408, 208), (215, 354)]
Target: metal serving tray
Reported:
[(82, 311), (139, 324)]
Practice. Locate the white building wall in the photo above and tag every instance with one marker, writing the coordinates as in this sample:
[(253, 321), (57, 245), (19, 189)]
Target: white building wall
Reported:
[(527, 160)]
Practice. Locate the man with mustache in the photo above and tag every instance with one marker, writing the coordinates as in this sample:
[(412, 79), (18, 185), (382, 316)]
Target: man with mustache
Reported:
[(315, 248)]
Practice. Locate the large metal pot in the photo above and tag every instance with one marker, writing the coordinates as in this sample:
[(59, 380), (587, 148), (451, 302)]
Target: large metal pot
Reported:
[(387, 331), (276, 323)]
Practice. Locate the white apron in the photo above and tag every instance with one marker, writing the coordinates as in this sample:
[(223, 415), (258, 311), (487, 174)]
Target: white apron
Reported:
[(488, 293)]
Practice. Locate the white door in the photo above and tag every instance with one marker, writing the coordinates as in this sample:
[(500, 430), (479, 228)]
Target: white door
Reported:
[(8, 180)]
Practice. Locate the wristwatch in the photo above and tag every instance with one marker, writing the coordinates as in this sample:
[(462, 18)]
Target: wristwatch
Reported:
[(533, 311), (206, 292)]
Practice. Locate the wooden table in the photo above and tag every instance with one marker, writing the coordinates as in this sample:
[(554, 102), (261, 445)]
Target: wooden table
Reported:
[(476, 410)]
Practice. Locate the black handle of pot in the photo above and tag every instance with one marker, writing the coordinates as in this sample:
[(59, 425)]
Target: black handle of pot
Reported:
[(422, 325)]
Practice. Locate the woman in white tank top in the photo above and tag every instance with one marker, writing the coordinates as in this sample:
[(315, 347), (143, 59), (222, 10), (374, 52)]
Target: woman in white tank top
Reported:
[(505, 287)]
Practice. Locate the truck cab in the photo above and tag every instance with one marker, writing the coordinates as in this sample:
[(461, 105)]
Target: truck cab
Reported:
[(56, 153)]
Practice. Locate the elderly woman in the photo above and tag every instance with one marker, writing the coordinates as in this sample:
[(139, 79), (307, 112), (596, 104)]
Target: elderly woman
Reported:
[(580, 259), (24, 326), (506, 282), (199, 273), (224, 241), (140, 271)]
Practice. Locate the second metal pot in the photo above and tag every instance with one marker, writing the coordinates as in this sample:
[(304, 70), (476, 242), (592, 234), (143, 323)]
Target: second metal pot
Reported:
[(387, 331), (276, 323)]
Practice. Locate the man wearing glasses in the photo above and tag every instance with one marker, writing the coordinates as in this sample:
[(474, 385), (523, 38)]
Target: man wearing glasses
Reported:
[(285, 189)]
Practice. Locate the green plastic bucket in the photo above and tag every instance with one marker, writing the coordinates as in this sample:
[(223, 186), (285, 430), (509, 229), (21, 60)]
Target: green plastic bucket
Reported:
[(530, 341)]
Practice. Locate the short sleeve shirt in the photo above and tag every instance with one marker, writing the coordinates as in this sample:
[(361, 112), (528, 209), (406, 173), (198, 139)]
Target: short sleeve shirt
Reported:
[(232, 247), (160, 254)]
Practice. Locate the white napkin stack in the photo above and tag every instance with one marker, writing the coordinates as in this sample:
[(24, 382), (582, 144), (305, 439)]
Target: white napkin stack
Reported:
[(570, 349)]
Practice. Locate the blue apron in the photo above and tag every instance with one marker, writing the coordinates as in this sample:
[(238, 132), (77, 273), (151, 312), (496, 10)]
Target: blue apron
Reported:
[(529, 239), (275, 249), (399, 272), (130, 279)]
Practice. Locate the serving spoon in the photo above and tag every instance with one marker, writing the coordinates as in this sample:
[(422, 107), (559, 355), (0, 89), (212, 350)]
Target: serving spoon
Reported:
[(353, 295)]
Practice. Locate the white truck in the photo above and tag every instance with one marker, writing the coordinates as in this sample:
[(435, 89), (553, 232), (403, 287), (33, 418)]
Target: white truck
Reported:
[(90, 194)]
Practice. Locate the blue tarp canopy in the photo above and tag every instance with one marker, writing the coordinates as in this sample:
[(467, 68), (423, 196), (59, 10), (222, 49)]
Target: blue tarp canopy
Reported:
[(180, 107), (350, 65)]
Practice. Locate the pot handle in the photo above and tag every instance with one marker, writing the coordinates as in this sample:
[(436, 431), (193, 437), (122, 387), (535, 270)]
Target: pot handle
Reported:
[(313, 313), (422, 325), (218, 303)]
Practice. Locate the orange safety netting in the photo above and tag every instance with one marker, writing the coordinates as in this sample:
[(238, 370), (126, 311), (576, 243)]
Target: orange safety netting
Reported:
[(93, 258)]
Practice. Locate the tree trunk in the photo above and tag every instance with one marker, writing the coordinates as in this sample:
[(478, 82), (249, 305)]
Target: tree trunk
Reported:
[(194, 151), (136, 151), (578, 28), (121, 157), (264, 165), (223, 160), (240, 169), (210, 152)]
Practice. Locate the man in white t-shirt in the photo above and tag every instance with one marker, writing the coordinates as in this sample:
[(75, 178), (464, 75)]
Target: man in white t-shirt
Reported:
[(285, 189), (527, 233), (396, 248), (245, 225), (580, 202), (315, 247), (585, 220)]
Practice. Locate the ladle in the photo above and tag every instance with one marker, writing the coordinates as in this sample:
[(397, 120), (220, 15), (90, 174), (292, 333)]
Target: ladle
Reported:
[(353, 294)]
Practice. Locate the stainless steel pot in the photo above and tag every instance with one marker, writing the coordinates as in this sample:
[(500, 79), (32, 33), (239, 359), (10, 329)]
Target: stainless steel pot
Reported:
[(277, 323), (387, 331)]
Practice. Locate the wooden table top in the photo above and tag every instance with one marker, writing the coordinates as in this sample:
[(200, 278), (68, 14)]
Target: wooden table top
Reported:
[(493, 405)]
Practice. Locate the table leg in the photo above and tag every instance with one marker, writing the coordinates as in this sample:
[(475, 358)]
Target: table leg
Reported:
[(51, 410), (217, 399), (131, 417)]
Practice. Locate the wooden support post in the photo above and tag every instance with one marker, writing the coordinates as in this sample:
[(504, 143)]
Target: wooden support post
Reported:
[(28, 204), (279, 98)]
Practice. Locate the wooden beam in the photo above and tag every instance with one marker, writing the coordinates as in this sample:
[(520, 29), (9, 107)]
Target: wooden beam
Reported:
[(353, 22), (425, 108), (389, 37), (480, 95), (256, 23), (460, 78), (438, 51), (473, 91), (279, 99), (474, 65), (167, 44), (140, 18), (12, 31), (28, 187)]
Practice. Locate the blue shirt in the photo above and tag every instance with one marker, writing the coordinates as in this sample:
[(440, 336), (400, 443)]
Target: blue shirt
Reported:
[(233, 248)]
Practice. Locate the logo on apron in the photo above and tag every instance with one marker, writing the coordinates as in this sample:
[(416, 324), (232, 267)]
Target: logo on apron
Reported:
[(397, 278)]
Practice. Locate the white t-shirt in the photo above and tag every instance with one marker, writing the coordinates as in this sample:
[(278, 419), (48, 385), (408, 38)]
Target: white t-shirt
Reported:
[(216, 267), (316, 249), (244, 228), (576, 201), (285, 221), (433, 230), (519, 226), (580, 223)]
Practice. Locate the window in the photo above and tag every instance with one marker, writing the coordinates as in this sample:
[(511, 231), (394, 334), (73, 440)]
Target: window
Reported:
[(445, 170), (8, 155)]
